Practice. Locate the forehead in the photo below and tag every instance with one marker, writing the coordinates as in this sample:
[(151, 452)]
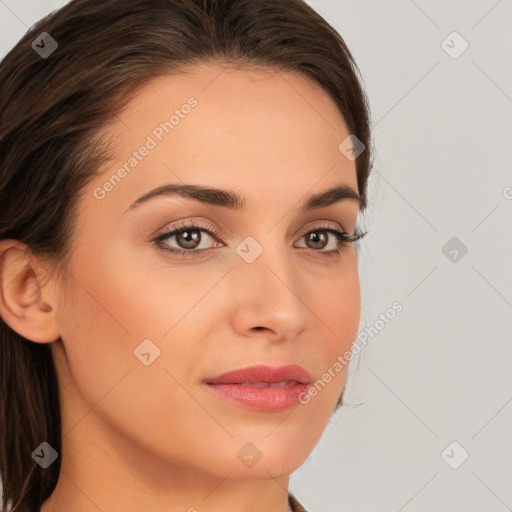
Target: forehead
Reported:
[(215, 125), (223, 86)]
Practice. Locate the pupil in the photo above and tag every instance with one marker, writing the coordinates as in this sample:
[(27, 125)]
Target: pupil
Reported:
[(315, 238), (191, 237)]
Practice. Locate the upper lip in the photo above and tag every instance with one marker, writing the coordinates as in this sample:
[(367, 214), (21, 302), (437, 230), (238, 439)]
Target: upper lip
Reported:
[(263, 373)]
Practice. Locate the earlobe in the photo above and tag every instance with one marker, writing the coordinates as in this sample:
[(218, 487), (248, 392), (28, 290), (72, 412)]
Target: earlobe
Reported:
[(24, 306)]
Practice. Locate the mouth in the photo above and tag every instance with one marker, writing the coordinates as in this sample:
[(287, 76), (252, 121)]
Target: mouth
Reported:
[(262, 387)]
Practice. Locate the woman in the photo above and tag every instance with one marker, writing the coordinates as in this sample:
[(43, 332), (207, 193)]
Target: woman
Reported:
[(180, 186)]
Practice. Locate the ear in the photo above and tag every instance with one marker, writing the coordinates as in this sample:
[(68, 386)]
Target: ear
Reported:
[(24, 306)]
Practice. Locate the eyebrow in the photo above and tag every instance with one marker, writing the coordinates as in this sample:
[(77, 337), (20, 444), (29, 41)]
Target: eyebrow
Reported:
[(233, 201)]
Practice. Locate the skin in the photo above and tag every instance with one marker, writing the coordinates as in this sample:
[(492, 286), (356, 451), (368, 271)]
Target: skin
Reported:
[(151, 438)]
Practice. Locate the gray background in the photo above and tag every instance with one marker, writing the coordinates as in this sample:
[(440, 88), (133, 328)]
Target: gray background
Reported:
[(440, 371)]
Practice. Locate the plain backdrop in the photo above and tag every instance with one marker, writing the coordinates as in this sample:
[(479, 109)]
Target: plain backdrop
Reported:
[(428, 422)]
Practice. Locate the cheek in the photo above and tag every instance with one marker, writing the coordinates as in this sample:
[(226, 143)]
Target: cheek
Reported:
[(118, 302), (339, 306), (102, 322), (106, 319), (338, 310), (97, 339)]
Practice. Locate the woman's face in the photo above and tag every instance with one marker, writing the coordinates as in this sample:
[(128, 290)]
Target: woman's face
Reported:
[(142, 329)]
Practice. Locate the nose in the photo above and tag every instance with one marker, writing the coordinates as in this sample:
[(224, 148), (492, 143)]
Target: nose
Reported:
[(270, 298)]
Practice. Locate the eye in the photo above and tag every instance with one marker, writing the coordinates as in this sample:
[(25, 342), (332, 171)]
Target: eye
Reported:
[(318, 239), (189, 238)]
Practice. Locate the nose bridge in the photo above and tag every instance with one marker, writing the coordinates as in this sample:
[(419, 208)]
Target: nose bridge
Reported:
[(270, 284)]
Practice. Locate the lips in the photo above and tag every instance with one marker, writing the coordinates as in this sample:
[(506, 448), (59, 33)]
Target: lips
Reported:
[(262, 375), (264, 388)]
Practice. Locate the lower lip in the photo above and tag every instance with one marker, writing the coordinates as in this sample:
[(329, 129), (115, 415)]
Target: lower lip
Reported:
[(263, 398)]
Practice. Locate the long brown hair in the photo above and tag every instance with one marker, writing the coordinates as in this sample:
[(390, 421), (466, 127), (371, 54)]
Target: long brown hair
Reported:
[(52, 108)]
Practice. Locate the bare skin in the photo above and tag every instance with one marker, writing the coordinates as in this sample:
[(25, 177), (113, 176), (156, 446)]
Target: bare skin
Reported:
[(153, 438)]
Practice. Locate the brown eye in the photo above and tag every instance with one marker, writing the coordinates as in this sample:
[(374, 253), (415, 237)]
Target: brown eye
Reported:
[(317, 239), (189, 239)]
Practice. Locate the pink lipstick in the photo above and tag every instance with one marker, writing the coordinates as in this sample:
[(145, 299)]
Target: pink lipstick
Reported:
[(262, 387)]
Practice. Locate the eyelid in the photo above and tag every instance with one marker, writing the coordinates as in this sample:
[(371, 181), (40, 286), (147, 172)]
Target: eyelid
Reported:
[(208, 226), (323, 224)]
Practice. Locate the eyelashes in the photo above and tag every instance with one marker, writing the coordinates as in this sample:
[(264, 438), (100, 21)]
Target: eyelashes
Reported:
[(184, 228), (342, 239)]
